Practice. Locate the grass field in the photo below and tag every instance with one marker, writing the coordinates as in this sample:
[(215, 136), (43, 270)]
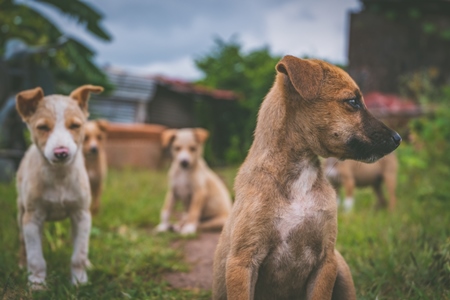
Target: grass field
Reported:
[(400, 255)]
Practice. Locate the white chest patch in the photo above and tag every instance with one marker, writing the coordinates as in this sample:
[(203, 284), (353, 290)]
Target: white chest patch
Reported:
[(182, 185), (301, 202)]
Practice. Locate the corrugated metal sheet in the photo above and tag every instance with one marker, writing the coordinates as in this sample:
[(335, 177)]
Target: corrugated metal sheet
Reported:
[(112, 110), (125, 103), (131, 87)]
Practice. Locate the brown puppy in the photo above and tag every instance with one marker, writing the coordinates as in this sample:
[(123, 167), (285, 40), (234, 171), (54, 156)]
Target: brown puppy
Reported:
[(95, 159), (279, 240), (206, 200), (350, 173)]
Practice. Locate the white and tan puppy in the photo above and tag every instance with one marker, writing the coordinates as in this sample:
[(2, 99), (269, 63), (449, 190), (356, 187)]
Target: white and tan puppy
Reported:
[(52, 181), (350, 174), (279, 242), (95, 159), (206, 200)]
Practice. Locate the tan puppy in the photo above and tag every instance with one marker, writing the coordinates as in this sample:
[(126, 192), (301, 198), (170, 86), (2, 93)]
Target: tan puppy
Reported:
[(52, 182), (350, 173), (95, 159), (279, 240), (205, 198)]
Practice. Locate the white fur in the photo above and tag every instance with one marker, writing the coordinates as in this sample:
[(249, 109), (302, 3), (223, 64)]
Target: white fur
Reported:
[(60, 135), (189, 228), (348, 204), (300, 205)]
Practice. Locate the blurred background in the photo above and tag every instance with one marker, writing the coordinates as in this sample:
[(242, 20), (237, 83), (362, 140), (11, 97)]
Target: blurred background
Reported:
[(199, 63), (209, 64)]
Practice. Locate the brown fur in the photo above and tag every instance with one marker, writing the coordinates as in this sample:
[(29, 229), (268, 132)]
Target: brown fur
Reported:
[(206, 200), (95, 159), (350, 174), (279, 240)]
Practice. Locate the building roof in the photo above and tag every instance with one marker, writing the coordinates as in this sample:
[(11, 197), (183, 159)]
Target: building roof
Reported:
[(185, 87), (141, 88), (383, 105), (128, 101), (130, 87)]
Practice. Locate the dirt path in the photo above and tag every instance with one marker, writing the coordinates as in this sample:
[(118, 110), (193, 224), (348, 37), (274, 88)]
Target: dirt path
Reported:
[(199, 254)]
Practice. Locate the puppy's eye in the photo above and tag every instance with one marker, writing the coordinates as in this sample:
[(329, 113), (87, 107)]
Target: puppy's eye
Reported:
[(86, 138), (99, 137), (177, 148), (43, 127), (354, 103), (192, 149), (74, 126)]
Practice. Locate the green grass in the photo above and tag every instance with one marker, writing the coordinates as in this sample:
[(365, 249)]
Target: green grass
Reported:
[(400, 255)]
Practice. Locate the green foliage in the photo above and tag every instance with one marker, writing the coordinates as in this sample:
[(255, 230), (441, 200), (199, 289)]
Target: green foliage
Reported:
[(72, 63), (427, 156), (421, 87), (250, 75)]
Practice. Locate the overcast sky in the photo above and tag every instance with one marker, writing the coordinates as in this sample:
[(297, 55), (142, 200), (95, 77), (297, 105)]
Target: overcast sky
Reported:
[(165, 36)]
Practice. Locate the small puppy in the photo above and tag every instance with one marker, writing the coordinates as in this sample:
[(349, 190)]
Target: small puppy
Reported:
[(350, 173), (279, 242), (52, 181), (205, 198), (95, 159)]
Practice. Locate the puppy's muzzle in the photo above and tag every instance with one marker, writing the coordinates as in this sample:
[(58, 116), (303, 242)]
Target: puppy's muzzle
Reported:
[(93, 150), (184, 164), (61, 154)]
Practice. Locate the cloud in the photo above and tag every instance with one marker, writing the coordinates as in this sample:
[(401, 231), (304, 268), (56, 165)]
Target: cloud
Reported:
[(182, 68), (154, 34)]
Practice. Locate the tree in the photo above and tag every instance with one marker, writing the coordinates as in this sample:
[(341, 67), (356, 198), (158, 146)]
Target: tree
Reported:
[(250, 75), (72, 64)]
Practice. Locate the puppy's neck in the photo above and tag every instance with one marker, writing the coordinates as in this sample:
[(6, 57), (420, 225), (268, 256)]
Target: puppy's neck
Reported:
[(279, 131), (281, 146)]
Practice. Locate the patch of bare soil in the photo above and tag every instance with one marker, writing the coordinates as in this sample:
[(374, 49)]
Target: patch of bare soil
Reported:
[(199, 254)]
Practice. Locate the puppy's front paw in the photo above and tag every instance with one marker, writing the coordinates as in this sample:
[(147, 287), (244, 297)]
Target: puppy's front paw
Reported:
[(37, 283), (162, 227), (188, 228), (37, 286), (79, 276)]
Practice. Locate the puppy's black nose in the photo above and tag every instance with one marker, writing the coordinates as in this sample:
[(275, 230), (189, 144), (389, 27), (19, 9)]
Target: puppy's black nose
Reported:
[(61, 153), (396, 138), (94, 150), (184, 164)]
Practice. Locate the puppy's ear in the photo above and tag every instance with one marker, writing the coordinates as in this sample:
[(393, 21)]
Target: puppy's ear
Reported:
[(201, 134), (167, 137), (305, 75), (81, 95), (102, 124), (27, 102)]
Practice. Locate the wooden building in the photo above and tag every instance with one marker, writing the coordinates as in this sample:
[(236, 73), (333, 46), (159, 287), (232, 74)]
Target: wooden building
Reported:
[(391, 39), (141, 107)]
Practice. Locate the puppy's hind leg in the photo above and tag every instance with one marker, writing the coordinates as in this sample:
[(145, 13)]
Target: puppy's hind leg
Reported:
[(215, 224), (166, 212), (96, 194), (22, 249), (343, 286), (349, 187), (381, 200)]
